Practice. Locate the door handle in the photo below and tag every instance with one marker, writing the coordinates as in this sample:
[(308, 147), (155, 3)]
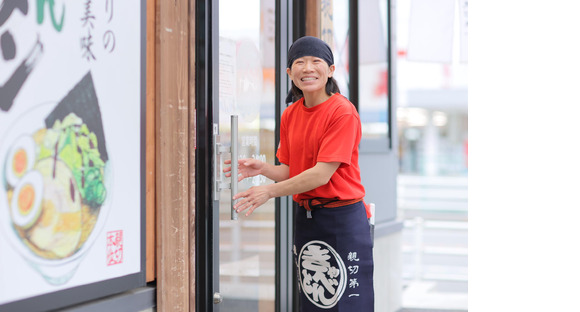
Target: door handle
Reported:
[(218, 174), (219, 178), (234, 151)]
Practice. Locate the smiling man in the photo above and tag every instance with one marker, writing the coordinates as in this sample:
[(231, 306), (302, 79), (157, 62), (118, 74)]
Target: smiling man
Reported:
[(319, 138)]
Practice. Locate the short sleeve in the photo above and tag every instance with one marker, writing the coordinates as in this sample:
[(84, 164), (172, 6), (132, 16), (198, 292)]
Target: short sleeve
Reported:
[(283, 150), (340, 140)]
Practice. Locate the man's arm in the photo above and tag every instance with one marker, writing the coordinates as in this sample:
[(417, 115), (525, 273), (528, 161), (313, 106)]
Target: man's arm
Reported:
[(308, 180), (250, 167)]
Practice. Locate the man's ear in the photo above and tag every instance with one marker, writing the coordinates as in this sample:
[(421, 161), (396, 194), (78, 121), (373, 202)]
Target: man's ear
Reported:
[(289, 72), (331, 69)]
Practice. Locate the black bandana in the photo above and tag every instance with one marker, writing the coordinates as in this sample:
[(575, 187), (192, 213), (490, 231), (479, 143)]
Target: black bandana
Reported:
[(309, 46)]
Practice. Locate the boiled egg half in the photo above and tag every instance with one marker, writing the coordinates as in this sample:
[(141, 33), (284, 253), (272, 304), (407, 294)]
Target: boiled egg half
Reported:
[(21, 159), (26, 201)]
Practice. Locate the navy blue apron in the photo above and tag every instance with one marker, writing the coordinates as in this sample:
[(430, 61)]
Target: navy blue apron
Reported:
[(333, 254)]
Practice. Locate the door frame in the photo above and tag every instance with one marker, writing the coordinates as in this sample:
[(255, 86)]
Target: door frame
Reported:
[(206, 222), (284, 214), (205, 254)]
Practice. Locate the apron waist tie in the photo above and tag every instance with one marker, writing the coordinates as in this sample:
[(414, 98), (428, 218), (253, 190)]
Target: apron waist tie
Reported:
[(309, 204)]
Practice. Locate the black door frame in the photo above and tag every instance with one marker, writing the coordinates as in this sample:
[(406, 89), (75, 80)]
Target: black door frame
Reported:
[(206, 223)]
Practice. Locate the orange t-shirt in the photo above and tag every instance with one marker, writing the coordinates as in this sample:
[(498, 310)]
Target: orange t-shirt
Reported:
[(327, 132)]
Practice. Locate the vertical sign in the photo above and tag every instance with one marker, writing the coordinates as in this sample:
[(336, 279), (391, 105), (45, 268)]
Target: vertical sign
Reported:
[(326, 22), (70, 144)]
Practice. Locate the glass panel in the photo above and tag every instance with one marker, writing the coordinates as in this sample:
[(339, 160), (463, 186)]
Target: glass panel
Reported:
[(335, 31), (373, 69), (247, 89)]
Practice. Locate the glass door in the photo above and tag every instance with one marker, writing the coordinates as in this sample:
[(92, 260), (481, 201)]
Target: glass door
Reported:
[(246, 75)]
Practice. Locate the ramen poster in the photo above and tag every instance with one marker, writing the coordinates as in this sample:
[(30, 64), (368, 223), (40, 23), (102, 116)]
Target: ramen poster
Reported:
[(70, 151)]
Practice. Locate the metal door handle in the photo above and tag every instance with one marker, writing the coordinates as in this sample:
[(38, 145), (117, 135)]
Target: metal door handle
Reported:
[(219, 178), (234, 150), (218, 174)]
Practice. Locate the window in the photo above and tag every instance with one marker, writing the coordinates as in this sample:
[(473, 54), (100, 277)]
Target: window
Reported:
[(373, 75)]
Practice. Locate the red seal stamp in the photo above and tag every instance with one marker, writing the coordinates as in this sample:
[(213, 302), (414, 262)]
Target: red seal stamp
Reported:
[(114, 247)]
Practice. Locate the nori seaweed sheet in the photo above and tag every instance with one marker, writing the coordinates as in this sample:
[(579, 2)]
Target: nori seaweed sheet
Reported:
[(82, 100)]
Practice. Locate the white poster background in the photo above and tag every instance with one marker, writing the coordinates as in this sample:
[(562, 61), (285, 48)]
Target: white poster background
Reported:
[(116, 74), (431, 31)]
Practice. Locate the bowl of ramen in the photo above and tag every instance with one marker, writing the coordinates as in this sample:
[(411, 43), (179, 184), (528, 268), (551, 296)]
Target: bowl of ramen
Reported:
[(54, 191)]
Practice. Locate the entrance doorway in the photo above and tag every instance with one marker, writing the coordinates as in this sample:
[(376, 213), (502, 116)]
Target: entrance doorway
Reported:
[(246, 78), (242, 262)]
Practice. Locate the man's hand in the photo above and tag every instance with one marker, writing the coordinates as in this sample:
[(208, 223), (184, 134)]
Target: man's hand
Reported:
[(307, 180), (252, 198), (247, 168)]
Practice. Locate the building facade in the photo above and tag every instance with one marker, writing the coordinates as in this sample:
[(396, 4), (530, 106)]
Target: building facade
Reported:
[(202, 62)]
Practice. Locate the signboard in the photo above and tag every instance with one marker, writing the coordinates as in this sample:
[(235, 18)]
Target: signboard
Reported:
[(431, 31), (71, 151)]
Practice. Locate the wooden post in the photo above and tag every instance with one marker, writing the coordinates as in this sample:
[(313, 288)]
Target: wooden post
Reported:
[(313, 18), (150, 143), (172, 156), (192, 147)]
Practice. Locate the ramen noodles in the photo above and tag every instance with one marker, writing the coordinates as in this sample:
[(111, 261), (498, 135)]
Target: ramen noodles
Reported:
[(55, 187)]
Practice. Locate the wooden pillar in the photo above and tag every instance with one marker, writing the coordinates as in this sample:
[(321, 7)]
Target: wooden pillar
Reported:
[(172, 156), (150, 142), (313, 18), (192, 146)]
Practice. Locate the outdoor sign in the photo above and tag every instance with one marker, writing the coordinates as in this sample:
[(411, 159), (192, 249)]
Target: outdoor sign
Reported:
[(71, 151), (431, 31)]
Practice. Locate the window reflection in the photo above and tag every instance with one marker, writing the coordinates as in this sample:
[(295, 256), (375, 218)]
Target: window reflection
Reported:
[(373, 84), (247, 89), (335, 31), (373, 62)]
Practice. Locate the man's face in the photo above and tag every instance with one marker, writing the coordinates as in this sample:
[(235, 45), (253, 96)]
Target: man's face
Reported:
[(310, 73)]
